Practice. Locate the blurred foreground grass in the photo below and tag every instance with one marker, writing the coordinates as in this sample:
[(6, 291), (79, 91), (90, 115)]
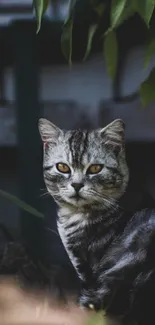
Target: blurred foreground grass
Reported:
[(21, 307)]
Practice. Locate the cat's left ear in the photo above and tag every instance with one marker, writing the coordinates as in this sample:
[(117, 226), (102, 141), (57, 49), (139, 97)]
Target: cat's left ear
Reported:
[(114, 134), (48, 131)]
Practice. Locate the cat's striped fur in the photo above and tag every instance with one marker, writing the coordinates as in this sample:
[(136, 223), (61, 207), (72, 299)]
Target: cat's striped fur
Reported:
[(111, 251)]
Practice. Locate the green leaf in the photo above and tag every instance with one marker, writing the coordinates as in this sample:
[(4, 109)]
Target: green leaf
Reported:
[(147, 89), (111, 53), (66, 39), (127, 13), (66, 36), (91, 33), (21, 204), (117, 9), (40, 8), (149, 53), (144, 8)]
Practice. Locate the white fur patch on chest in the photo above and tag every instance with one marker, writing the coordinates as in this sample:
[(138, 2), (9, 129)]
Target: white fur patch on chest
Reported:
[(70, 224), (73, 259)]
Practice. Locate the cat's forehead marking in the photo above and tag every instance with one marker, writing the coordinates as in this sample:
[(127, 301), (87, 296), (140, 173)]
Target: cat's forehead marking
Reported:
[(83, 147), (95, 150), (78, 142)]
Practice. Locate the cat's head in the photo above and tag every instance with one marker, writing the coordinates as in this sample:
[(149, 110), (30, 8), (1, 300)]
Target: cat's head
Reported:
[(84, 168)]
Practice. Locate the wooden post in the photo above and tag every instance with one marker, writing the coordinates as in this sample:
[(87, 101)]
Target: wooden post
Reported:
[(29, 144)]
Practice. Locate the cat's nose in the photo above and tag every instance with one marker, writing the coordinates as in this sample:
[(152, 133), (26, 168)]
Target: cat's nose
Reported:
[(77, 186)]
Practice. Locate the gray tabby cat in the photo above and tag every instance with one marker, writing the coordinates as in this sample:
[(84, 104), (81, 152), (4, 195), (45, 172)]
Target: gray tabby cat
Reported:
[(87, 174)]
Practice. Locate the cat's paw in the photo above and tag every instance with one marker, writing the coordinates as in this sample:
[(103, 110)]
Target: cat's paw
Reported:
[(93, 300), (91, 304)]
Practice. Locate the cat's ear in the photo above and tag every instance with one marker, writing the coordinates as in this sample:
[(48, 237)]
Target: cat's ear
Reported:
[(113, 134), (48, 131)]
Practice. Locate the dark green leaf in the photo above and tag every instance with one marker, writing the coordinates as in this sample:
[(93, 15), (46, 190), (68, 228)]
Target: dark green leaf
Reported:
[(91, 33), (21, 204), (66, 40), (150, 52), (117, 9), (127, 13), (66, 36), (111, 53), (144, 8), (147, 89), (40, 8)]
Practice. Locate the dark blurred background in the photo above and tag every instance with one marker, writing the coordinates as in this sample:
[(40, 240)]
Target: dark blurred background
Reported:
[(35, 81)]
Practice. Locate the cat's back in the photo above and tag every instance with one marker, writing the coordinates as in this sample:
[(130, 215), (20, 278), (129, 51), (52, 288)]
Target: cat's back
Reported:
[(138, 235), (141, 218), (139, 232)]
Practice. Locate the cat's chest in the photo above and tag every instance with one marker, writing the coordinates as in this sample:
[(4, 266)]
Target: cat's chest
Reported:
[(74, 243), (83, 236), (72, 232)]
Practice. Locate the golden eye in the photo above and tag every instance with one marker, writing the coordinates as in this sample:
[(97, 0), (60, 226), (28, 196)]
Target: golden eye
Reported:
[(63, 168), (94, 169)]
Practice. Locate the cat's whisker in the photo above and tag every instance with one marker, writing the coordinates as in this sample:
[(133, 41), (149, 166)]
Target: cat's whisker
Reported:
[(42, 189), (103, 198), (44, 194), (53, 231)]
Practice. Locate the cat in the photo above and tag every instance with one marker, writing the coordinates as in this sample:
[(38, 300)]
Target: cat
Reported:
[(112, 250)]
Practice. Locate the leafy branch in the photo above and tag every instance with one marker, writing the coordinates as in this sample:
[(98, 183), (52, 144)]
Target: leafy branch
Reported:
[(120, 11)]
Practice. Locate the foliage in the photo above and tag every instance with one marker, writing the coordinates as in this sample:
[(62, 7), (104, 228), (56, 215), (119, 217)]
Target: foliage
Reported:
[(120, 10), (21, 204), (147, 89), (40, 8), (111, 52)]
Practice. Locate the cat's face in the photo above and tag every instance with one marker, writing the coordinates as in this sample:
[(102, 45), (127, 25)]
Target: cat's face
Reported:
[(84, 168)]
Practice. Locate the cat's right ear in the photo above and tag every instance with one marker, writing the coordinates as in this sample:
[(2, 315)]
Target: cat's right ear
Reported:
[(48, 131)]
